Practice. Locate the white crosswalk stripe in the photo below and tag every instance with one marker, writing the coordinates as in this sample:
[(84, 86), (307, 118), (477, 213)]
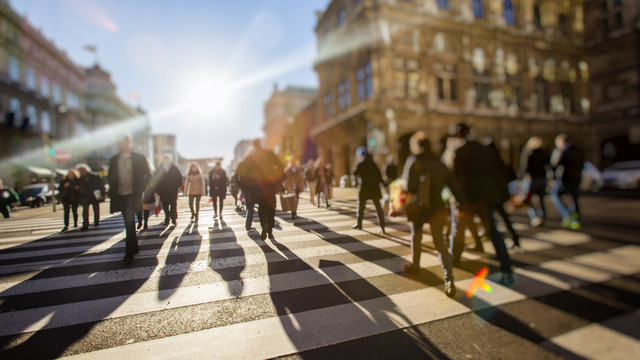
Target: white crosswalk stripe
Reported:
[(74, 282)]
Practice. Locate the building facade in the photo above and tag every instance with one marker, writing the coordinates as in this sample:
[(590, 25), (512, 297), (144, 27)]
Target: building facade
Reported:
[(613, 47), (110, 115), (280, 127), (40, 91), (508, 68)]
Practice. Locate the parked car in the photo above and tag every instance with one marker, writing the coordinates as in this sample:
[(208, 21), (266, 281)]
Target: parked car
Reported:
[(591, 178), (34, 195), (622, 175)]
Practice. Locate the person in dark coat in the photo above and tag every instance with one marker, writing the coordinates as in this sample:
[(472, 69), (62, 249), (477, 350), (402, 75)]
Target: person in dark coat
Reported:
[(167, 188), (425, 177), (261, 174), (322, 182), (7, 196), (370, 180), (310, 177), (534, 165), (481, 174), (69, 197), (567, 162), (89, 186), (128, 178), (218, 182)]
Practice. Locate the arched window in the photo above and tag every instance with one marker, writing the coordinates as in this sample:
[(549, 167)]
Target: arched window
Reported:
[(14, 107), (439, 43), (443, 4), (45, 123), (478, 60), (32, 114), (536, 17), (478, 9), (509, 12)]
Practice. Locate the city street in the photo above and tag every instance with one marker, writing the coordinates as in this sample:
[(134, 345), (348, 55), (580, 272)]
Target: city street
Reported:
[(319, 290)]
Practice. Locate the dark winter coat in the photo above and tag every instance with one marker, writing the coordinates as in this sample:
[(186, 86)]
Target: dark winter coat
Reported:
[(169, 183), (261, 171), (482, 174), (87, 185), (572, 161), (141, 178), (537, 162), (370, 179), (427, 167), (218, 183), (69, 190)]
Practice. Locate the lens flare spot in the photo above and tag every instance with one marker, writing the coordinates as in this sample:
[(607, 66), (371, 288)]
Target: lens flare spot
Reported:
[(479, 282)]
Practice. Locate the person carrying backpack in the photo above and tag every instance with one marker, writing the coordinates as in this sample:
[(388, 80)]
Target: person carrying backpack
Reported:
[(425, 177)]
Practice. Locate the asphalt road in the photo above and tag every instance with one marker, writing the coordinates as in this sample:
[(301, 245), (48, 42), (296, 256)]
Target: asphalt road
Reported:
[(319, 290)]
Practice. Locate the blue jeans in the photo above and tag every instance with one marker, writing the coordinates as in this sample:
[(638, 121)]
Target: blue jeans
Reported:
[(558, 189)]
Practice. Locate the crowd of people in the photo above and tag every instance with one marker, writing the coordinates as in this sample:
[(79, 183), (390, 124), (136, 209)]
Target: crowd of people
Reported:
[(461, 189)]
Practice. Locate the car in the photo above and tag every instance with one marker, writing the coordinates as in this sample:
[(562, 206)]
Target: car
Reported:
[(34, 195), (622, 175), (591, 178)]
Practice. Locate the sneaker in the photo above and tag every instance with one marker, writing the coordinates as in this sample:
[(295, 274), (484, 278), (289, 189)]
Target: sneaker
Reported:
[(84, 228), (64, 229), (263, 235), (566, 222), (507, 278), (449, 288), (270, 234), (128, 260), (574, 225), (357, 227), (139, 226)]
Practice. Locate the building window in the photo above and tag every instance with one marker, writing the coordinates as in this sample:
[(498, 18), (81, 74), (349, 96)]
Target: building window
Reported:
[(44, 86), (16, 109), (584, 70), (329, 107), (443, 4), (57, 94), (341, 16), (31, 79), (478, 9), (562, 24), (14, 69), (344, 94), (45, 123), (446, 79), (439, 42), (509, 12), (32, 115), (549, 70), (536, 17), (478, 60), (364, 76), (399, 84)]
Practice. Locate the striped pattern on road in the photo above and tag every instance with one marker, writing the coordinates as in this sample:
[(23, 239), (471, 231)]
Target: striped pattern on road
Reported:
[(213, 288)]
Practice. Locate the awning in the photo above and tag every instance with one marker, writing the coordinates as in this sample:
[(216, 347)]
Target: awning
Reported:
[(40, 171)]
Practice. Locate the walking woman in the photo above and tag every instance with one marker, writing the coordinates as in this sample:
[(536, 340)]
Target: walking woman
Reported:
[(194, 189), (69, 197), (322, 182)]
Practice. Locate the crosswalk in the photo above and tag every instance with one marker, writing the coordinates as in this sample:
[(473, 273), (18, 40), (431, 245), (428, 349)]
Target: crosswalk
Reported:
[(213, 290)]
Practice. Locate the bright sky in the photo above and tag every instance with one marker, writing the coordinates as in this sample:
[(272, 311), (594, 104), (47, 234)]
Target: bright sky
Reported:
[(180, 56)]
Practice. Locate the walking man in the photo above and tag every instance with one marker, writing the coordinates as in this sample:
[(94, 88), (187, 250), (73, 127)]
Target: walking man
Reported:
[(128, 177), (218, 188), (261, 175), (567, 162), (91, 191), (425, 177), (368, 186), (167, 187)]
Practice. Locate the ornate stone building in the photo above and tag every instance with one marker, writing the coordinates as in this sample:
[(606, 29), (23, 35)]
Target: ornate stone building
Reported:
[(282, 135), (509, 68), (106, 109), (40, 90), (613, 48)]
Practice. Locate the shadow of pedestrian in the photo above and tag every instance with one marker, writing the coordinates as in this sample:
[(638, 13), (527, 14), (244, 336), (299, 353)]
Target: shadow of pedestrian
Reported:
[(183, 251), (315, 310), (227, 258), (46, 323)]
